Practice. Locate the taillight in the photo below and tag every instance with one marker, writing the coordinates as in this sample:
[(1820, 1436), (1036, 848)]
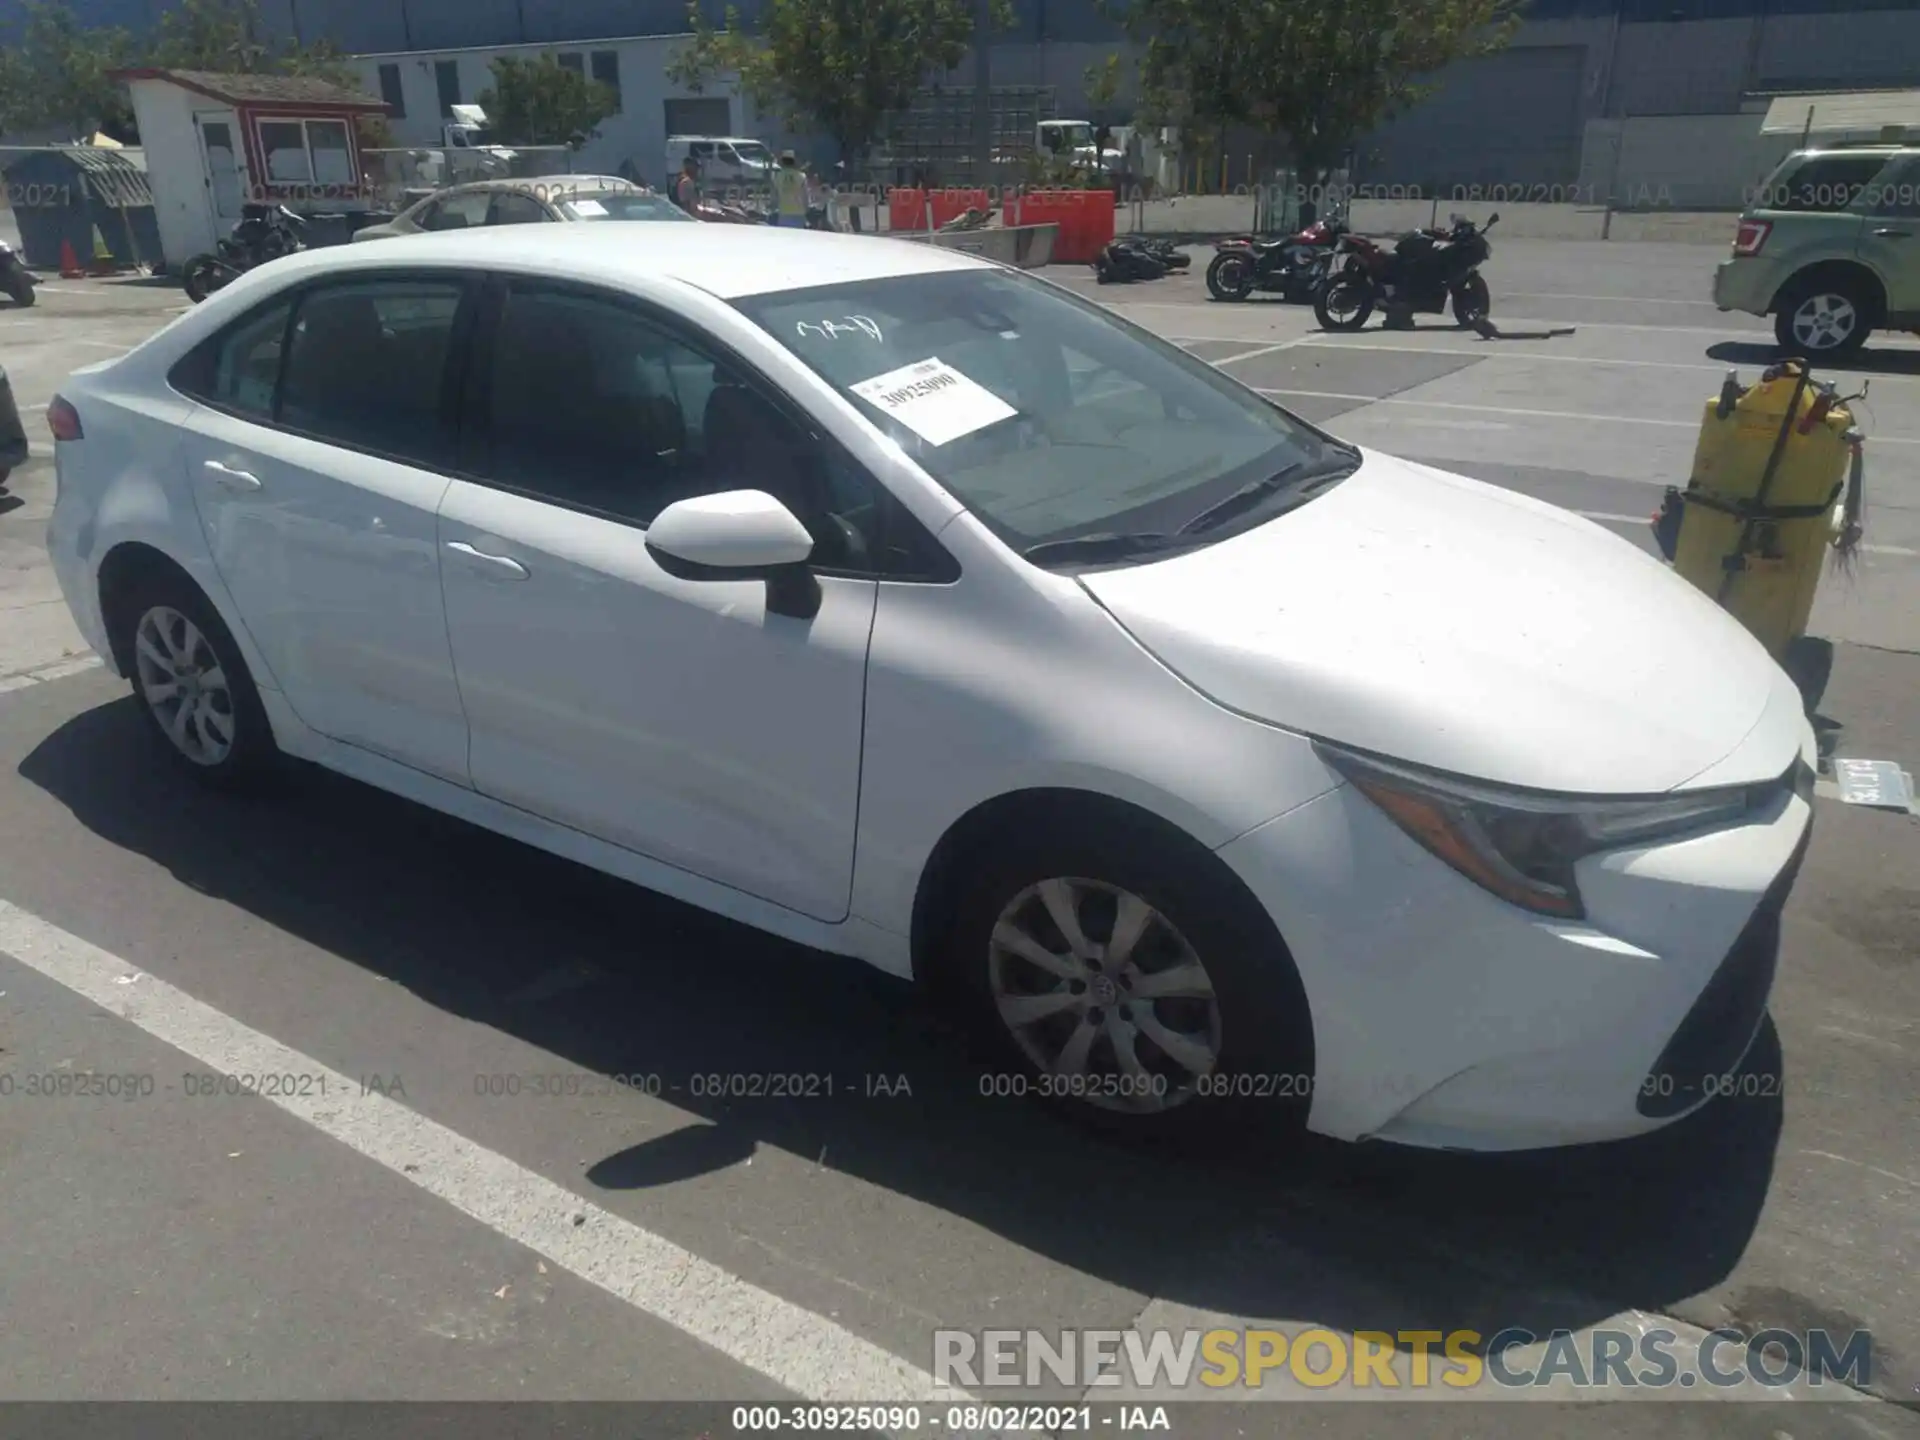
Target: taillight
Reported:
[(64, 420), (1751, 235)]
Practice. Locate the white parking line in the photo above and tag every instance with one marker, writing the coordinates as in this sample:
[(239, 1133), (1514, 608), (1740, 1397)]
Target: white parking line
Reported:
[(1722, 331), (795, 1348), (58, 670), (1872, 440), (1523, 355), (1608, 299)]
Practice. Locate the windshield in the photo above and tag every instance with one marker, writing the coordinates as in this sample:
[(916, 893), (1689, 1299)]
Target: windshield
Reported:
[(621, 205), (1045, 415)]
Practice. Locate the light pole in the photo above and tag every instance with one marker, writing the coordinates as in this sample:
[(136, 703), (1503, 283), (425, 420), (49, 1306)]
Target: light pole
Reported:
[(983, 92)]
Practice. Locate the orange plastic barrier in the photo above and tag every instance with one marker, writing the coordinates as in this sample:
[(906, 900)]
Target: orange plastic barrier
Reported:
[(1085, 218)]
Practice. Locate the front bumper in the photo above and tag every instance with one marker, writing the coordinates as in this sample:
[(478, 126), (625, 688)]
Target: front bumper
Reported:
[(1446, 1018)]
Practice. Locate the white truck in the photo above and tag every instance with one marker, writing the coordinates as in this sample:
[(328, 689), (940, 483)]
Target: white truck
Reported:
[(1072, 141), (466, 151)]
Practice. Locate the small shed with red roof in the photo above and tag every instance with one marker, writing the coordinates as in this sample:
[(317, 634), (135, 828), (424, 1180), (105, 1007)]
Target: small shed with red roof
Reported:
[(215, 142)]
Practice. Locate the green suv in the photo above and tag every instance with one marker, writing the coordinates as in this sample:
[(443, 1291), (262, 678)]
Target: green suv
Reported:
[(1830, 247)]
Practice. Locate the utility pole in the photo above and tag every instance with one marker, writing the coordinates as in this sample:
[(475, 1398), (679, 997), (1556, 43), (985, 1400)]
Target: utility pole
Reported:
[(983, 92)]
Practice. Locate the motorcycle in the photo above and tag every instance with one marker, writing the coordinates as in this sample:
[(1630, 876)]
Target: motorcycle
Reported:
[(1421, 274), (265, 232), (1293, 267), (1136, 257), (15, 279)]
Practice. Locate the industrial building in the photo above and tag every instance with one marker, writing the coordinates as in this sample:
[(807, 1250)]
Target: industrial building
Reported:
[(1654, 95)]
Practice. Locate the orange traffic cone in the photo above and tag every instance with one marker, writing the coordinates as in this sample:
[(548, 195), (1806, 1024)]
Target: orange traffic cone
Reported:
[(70, 263)]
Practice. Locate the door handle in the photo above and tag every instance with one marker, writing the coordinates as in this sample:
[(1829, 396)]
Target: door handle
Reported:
[(503, 565), (1898, 234), (231, 478)]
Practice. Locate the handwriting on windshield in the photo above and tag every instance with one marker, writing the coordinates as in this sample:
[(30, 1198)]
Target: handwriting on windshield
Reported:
[(834, 329)]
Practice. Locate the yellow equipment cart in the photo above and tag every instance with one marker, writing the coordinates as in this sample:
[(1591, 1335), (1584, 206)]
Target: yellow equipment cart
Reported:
[(1776, 482)]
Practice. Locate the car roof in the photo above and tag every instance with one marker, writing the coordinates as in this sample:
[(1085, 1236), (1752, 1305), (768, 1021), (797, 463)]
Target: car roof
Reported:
[(728, 261)]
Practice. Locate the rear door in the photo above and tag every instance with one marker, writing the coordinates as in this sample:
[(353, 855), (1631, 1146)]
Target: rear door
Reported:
[(1813, 204), (316, 457), (1890, 234)]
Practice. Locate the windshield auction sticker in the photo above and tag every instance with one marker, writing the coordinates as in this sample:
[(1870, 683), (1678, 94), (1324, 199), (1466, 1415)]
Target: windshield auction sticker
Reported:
[(934, 400)]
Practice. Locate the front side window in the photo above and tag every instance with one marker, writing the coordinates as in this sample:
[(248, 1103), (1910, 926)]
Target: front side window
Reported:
[(327, 146), (592, 404), (510, 207), (457, 212), (1044, 415), (367, 364)]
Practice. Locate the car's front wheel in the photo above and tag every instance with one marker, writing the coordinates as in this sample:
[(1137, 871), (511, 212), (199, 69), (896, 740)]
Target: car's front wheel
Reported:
[(1132, 982), (191, 681)]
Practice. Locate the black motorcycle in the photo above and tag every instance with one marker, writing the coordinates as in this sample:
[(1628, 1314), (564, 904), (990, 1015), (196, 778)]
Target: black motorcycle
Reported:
[(265, 232), (1290, 266), (1137, 257), (13, 435), (15, 279), (1422, 274)]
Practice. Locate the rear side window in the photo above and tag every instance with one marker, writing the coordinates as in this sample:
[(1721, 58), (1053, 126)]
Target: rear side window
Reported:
[(510, 207), (1821, 184), (238, 369), (367, 367)]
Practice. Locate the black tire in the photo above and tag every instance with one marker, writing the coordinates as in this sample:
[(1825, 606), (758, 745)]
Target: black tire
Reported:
[(21, 292), (251, 755), (1230, 276), (1263, 1083), (1344, 303), (1824, 318), (1471, 301), (201, 276)]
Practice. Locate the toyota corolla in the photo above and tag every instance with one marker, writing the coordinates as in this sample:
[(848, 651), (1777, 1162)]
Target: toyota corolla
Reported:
[(914, 608)]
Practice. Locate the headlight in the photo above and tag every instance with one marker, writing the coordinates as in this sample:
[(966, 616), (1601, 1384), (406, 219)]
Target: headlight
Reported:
[(1523, 845)]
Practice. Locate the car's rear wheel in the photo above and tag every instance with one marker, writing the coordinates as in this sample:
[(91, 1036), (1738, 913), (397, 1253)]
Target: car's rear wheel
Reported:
[(1133, 984), (1825, 317), (191, 681)]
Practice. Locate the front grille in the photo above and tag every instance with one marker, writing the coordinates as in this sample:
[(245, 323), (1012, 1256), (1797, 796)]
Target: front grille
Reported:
[(1713, 1037)]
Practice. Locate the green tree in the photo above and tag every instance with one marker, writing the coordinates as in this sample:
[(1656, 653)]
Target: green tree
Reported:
[(841, 67), (1321, 75), (542, 102), (57, 74)]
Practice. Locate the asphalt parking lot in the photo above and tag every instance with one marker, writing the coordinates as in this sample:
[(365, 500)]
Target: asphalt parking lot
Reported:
[(414, 1231)]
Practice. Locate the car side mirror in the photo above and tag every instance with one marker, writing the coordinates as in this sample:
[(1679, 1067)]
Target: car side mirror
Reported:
[(739, 535)]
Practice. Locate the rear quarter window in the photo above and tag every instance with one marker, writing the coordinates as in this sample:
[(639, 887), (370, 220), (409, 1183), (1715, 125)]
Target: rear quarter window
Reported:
[(1820, 184)]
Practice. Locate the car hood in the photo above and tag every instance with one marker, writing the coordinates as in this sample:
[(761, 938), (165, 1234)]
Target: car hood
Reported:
[(1452, 624)]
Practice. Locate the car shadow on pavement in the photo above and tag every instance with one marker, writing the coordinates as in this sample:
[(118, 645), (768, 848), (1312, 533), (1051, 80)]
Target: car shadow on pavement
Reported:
[(1356, 1237), (1871, 360)]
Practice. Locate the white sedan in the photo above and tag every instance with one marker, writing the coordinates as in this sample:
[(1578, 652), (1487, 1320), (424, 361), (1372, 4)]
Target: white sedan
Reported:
[(913, 608)]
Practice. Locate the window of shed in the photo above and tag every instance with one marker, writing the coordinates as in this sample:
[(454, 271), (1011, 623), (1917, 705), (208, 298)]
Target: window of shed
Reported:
[(327, 144), (284, 142)]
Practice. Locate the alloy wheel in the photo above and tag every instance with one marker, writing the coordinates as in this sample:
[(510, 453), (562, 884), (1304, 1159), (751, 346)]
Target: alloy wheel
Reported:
[(185, 686), (1825, 321), (1103, 993)]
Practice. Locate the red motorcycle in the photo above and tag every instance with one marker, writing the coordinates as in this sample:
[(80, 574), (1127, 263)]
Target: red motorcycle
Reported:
[(1421, 274), (1292, 267)]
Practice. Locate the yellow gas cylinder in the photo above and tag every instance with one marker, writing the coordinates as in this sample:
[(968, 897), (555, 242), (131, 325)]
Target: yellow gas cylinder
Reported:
[(1759, 511)]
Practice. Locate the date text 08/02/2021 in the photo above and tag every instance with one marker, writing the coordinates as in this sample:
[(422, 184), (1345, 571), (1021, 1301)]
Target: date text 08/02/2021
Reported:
[(959, 1420)]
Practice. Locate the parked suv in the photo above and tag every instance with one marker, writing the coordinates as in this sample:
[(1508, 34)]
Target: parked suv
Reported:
[(1830, 247)]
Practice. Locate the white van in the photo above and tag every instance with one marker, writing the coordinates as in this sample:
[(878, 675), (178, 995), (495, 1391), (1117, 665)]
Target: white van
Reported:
[(726, 161)]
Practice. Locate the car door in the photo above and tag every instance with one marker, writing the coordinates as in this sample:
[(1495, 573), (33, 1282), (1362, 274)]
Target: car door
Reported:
[(684, 719), (312, 457), (1890, 239)]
